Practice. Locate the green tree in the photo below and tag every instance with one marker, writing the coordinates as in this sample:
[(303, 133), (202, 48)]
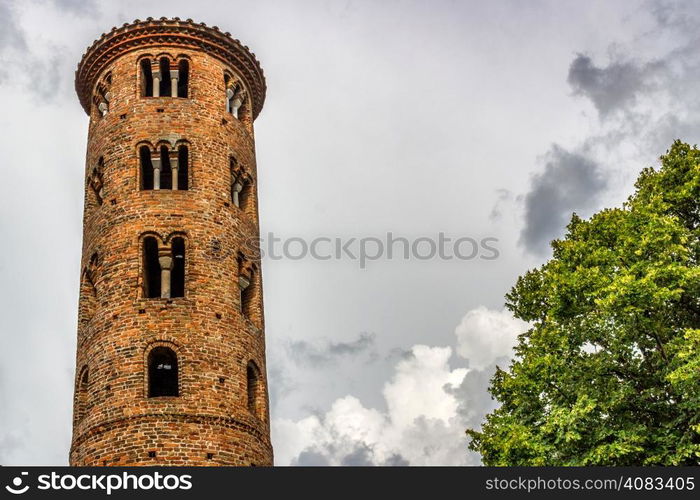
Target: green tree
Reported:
[(609, 372)]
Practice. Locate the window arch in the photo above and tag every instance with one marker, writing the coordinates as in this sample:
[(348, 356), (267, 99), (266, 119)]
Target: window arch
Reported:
[(82, 396), (254, 386), (162, 372)]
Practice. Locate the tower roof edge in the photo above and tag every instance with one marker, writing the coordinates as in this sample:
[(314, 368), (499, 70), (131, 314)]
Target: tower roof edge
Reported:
[(174, 33)]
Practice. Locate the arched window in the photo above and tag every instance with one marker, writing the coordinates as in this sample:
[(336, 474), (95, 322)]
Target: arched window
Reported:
[(183, 78), (165, 86), (82, 397), (248, 286), (235, 96), (241, 185), (96, 183), (162, 372), (254, 389), (247, 295), (177, 286), (88, 288), (166, 170), (88, 297), (245, 195), (151, 268), (183, 181), (147, 180), (146, 78)]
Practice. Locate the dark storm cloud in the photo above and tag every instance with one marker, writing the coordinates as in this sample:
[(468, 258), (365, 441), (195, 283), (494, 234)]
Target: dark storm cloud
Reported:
[(307, 353), (570, 182), (612, 87)]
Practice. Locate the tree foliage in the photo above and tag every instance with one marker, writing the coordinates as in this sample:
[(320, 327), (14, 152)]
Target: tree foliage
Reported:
[(609, 372)]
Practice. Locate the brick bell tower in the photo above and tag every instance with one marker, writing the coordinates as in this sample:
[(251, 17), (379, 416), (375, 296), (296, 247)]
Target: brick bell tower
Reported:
[(170, 366)]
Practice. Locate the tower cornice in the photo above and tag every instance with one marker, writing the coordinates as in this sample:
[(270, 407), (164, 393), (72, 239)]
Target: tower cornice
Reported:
[(166, 32)]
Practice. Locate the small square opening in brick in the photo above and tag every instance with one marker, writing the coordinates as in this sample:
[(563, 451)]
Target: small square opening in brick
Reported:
[(151, 454), (218, 315), (160, 110), (113, 201), (223, 121), (210, 456), (222, 380), (142, 311)]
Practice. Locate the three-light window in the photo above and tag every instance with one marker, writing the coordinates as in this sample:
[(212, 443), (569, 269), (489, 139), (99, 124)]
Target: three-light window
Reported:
[(164, 78)]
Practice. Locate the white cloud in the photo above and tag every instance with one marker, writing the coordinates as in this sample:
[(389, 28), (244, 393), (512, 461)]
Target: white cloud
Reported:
[(484, 335), (421, 425)]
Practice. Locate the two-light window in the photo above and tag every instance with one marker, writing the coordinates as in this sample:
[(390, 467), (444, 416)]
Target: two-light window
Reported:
[(163, 268)]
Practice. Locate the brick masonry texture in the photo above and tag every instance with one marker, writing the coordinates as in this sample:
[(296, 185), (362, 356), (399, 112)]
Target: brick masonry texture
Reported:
[(212, 421)]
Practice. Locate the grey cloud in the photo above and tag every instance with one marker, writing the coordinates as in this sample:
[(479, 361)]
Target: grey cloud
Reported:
[(360, 456), (280, 385), (503, 196), (472, 395), (307, 353), (569, 182), (396, 460), (612, 87), (310, 458), (78, 7), (11, 35)]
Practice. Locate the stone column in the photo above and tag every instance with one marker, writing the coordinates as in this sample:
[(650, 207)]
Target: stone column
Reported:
[(237, 188), (174, 77), (155, 73), (166, 266), (103, 107), (235, 106), (156, 172), (229, 96), (173, 167), (243, 283)]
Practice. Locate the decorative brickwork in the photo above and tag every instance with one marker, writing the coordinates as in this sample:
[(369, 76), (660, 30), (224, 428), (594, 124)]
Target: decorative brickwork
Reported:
[(160, 221)]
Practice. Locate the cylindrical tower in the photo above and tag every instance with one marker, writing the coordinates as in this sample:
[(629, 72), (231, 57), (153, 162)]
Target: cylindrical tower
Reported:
[(170, 363)]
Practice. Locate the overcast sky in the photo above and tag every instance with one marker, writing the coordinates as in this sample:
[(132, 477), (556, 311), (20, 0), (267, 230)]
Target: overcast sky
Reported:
[(475, 119)]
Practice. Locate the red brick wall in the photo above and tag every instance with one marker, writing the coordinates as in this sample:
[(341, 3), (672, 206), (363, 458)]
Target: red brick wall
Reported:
[(209, 423)]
